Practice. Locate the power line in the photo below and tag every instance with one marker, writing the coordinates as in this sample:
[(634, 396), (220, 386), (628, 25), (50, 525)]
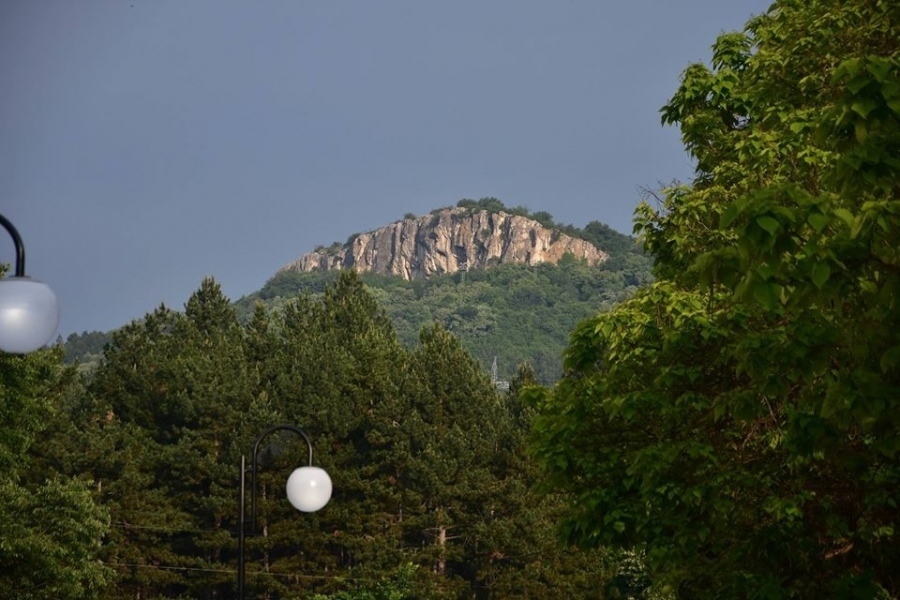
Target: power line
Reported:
[(221, 571)]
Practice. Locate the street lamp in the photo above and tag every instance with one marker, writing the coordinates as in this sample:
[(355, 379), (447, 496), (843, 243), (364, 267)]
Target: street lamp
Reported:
[(308, 490), (29, 312)]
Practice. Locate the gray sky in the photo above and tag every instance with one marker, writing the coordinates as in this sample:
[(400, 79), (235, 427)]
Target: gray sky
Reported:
[(147, 144)]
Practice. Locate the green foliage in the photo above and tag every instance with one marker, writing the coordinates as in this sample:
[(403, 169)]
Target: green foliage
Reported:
[(489, 204), (287, 284), (85, 346), (516, 313), (51, 527), (27, 383), (157, 430), (432, 495), (397, 587), (49, 536), (737, 420)]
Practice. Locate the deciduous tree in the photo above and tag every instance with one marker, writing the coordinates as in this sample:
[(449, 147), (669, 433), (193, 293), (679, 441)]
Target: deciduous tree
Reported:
[(51, 526), (739, 420)]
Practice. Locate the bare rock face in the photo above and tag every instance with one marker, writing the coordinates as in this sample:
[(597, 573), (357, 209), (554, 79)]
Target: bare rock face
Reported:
[(448, 241)]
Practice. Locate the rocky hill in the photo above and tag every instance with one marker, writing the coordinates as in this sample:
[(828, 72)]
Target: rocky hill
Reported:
[(449, 240), (544, 278)]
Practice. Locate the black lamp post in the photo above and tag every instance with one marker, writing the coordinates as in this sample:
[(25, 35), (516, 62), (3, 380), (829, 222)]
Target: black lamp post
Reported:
[(308, 490), (29, 312)]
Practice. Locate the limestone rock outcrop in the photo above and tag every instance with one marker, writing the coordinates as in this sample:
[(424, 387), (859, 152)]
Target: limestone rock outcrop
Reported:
[(447, 241)]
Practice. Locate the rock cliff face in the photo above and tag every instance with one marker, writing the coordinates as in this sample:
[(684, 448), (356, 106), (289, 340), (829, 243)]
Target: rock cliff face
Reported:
[(448, 241)]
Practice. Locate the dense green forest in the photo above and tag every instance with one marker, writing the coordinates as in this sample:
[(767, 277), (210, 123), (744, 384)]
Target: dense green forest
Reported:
[(433, 488), (514, 313), (730, 430)]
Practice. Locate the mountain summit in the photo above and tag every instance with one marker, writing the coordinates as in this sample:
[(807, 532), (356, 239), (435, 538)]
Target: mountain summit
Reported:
[(449, 240)]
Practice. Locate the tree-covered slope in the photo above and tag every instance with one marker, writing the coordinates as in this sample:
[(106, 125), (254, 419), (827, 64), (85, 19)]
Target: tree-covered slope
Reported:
[(512, 312)]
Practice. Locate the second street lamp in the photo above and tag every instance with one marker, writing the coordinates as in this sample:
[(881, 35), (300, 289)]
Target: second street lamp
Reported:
[(308, 490)]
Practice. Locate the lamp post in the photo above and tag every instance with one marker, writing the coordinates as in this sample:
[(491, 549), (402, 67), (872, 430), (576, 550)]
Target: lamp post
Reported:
[(29, 312), (308, 490)]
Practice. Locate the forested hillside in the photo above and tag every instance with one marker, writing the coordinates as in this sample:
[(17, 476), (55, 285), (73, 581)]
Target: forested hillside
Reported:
[(512, 312), (516, 313)]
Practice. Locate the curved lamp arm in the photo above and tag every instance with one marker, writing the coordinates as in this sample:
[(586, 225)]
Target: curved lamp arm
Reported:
[(20, 247), (253, 470), (29, 311)]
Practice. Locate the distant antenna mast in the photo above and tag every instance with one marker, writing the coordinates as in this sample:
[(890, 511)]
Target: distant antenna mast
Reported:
[(495, 381)]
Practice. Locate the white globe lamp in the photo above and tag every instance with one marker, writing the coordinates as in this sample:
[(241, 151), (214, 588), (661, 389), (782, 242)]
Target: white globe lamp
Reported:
[(29, 314), (29, 311), (309, 489)]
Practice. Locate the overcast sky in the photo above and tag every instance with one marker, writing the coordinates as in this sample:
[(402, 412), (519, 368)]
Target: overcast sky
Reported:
[(147, 144)]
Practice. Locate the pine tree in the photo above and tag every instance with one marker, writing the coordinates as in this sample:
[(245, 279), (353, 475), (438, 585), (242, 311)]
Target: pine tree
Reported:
[(169, 403)]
